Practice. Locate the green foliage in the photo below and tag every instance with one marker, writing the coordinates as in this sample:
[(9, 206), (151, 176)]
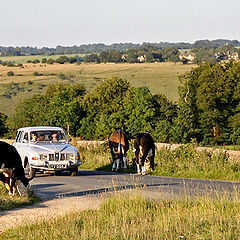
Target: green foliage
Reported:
[(92, 58), (105, 100), (3, 124), (62, 59), (10, 73), (30, 112), (50, 61), (209, 99), (44, 60), (139, 111), (59, 106), (64, 108), (205, 55), (208, 108), (114, 105)]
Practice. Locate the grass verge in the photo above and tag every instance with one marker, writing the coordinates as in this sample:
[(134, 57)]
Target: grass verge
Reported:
[(133, 217), (7, 203), (185, 161)]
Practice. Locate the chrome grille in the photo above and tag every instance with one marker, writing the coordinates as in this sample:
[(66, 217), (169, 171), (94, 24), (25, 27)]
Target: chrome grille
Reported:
[(57, 157)]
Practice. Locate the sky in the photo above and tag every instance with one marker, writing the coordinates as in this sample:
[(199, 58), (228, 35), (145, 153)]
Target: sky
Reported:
[(48, 23)]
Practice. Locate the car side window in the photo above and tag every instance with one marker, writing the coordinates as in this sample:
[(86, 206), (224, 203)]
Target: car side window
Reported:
[(19, 136), (25, 138)]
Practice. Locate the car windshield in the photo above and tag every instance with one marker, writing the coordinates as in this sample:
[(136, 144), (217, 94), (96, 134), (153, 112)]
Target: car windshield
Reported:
[(47, 136)]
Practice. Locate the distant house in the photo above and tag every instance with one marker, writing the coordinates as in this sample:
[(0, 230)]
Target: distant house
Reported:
[(189, 56), (227, 55), (234, 56)]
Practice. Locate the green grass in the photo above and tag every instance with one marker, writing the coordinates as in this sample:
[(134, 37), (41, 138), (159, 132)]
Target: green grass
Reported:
[(133, 217), (7, 203), (185, 161), (158, 77)]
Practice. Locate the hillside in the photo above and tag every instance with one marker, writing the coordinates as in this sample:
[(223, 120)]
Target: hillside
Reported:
[(34, 78)]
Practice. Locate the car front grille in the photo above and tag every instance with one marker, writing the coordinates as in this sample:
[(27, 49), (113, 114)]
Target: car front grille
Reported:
[(61, 156), (57, 157)]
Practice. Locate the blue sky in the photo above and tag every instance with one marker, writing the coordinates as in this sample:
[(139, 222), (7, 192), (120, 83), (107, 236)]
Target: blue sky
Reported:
[(74, 22)]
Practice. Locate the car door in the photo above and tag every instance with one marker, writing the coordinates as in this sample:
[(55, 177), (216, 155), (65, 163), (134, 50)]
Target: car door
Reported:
[(21, 144)]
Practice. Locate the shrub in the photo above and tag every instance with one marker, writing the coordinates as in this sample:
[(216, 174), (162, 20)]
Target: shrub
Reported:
[(10, 74)]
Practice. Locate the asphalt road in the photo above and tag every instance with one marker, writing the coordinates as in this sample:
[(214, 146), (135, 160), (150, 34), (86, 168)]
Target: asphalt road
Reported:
[(94, 183)]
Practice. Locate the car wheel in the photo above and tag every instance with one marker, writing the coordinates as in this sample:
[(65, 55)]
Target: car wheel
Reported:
[(74, 171), (29, 172), (58, 173)]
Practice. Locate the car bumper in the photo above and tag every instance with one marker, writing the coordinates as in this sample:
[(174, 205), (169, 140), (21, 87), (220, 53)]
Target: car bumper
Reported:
[(56, 166)]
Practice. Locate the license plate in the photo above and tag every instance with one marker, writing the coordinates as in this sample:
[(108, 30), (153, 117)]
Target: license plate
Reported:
[(57, 166)]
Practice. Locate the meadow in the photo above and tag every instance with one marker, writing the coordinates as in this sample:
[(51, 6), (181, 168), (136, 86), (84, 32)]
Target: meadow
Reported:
[(34, 78), (184, 161), (134, 217), (209, 215), (7, 203)]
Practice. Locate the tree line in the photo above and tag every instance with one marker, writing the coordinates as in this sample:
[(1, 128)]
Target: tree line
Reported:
[(98, 47), (208, 109)]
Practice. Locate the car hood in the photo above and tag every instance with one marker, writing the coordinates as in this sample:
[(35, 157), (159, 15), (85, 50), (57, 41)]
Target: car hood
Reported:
[(50, 147)]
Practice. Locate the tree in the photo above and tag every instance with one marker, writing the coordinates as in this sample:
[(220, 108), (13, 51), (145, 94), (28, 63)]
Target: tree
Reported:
[(35, 61), (30, 112), (10, 74), (132, 56), (44, 60), (209, 97), (103, 108), (62, 59), (50, 61), (92, 58), (59, 106), (3, 124), (139, 111), (205, 55), (65, 107)]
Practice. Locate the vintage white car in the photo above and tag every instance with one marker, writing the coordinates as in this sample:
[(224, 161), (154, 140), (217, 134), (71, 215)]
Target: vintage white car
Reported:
[(46, 149)]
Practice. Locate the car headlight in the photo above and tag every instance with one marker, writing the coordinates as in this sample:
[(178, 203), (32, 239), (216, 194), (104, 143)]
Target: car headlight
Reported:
[(43, 157), (70, 156)]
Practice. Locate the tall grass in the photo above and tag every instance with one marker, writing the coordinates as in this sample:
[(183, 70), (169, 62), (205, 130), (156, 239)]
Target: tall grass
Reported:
[(7, 203), (133, 217)]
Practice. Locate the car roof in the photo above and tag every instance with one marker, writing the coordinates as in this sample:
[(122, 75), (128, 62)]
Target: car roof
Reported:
[(40, 128)]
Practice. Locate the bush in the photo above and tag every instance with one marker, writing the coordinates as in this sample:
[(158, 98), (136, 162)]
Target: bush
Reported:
[(10, 74)]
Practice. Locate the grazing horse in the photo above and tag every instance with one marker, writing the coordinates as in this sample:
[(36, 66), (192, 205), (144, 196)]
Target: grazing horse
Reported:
[(119, 146), (11, 168), (145, 153)]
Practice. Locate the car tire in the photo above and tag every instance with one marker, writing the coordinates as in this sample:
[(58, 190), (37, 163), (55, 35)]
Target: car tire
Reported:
[(74, 171), (58, 173), (29, 171)]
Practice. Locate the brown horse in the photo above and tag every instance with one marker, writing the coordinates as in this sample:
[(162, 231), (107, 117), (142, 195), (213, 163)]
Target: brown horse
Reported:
[(119, 146), (145, 152)]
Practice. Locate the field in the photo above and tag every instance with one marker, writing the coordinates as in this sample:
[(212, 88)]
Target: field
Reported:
[(132, 217), (158, 77)]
